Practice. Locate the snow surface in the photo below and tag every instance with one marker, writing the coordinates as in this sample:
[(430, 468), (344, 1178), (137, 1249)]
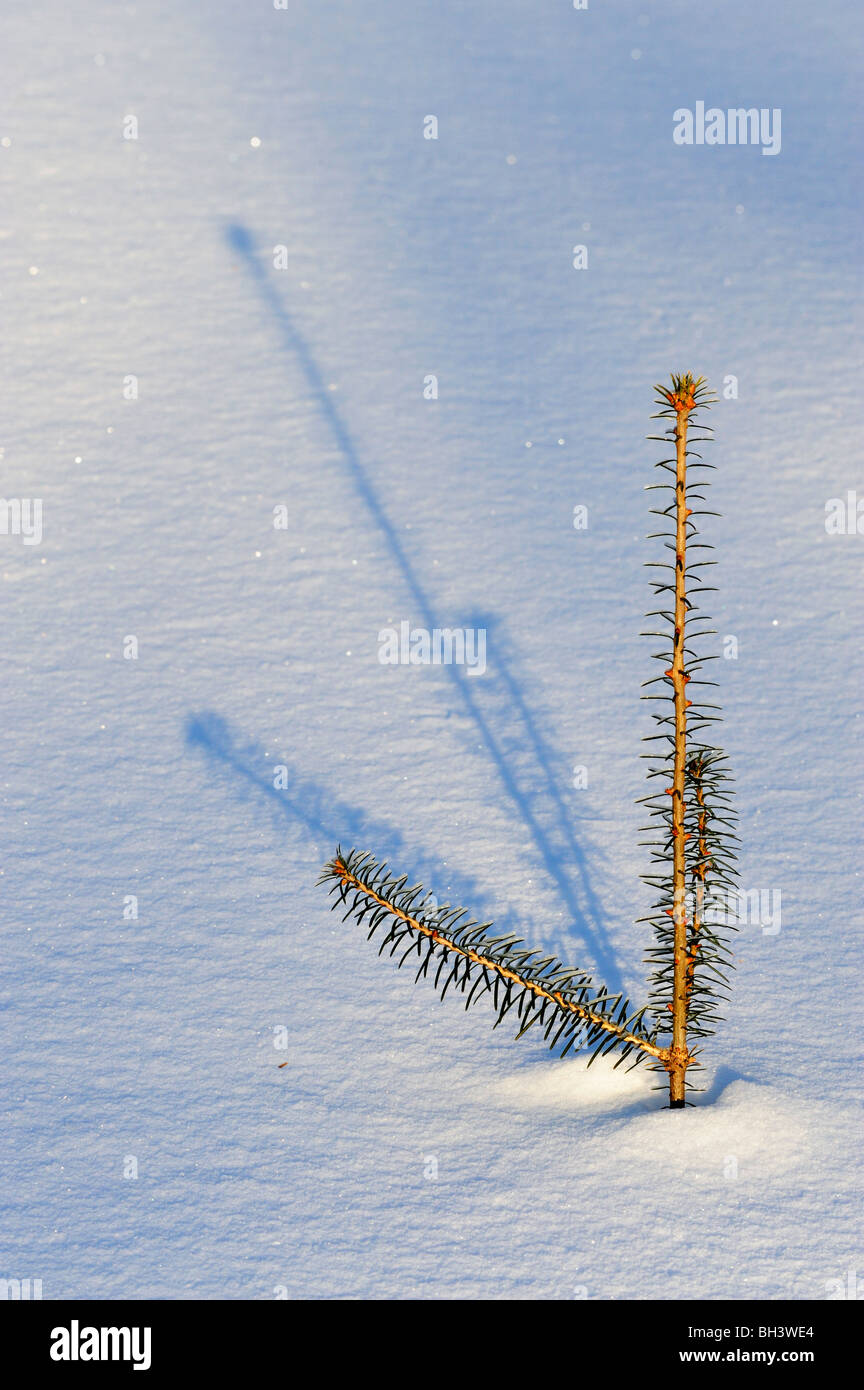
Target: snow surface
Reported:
[(155, 1039)]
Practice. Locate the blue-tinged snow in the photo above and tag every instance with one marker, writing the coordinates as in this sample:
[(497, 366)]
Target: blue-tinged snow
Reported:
[(406, 1150)]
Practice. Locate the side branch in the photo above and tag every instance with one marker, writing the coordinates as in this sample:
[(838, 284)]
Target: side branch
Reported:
[(381, 899)]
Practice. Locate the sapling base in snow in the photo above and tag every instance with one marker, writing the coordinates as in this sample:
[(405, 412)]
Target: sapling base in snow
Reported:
[(691, 827)]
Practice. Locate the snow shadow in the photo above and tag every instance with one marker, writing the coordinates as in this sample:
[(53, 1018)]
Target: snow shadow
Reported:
[(544, 807), (533, 789), (326, 820)]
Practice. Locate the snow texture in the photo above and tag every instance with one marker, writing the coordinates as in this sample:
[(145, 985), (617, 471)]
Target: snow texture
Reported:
[(406, 1150)]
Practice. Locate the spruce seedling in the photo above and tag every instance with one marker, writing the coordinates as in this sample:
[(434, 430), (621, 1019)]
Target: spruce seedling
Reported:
[(692, 862)]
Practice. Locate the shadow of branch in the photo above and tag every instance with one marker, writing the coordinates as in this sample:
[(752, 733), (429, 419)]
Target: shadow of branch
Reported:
[(541, 807)]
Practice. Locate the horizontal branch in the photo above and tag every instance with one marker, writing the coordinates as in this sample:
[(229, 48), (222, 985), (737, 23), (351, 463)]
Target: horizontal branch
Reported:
[(363, 877)]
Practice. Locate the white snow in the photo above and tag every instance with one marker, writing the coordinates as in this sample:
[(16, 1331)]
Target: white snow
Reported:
[(406, 1150)]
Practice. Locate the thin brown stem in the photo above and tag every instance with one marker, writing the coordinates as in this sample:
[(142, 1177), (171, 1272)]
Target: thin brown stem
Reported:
[(679, 1056)]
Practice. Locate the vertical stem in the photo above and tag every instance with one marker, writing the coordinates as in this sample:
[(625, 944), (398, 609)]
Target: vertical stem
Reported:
[(679, 1056)]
